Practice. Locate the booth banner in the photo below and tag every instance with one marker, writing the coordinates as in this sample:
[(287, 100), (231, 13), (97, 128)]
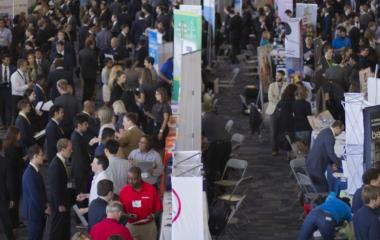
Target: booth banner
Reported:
[(373, 89), (187, 38), (308, 13), (372, 136), (238, 7), (6, 8), (265, 67), (282, 6), (353, 167), (353, 105), (293, 40), (209, 13), (153, 46), (187, 208)]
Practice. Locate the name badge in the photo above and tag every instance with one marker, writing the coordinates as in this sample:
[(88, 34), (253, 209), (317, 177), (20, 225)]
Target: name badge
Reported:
[(136, 204), (69, 185), (144, 175)]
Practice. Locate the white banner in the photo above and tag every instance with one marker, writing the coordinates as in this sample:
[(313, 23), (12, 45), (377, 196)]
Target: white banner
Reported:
[(187, 208), (282, 6), (353, 167), (308, 13), (353, 105), (373, 90), (293, 39)]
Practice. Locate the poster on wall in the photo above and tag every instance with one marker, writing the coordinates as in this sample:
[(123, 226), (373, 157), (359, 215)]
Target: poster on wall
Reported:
[(281, 6), (265, 69), (308, 13), (293, 39), (187, 38), (371, 116), (153, 46), (238, 6)]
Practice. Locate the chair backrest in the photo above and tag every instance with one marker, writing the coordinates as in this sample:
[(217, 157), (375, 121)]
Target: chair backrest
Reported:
[(236, 164), (235, 73), (238, 138), (298, 163), (242, 186), (305, 183), (229, 125)]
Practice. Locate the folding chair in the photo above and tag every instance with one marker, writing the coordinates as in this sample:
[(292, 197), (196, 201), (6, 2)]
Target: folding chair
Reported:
[(232, 221), (231, 82), (295, 150), (233, 164), (229, 125), (237, 139), (239, 190)]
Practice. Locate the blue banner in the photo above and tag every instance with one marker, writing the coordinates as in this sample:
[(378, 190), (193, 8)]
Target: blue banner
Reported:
[(153, 46)]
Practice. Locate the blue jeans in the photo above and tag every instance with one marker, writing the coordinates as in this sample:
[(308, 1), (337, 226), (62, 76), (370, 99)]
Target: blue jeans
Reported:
[(317, 219)]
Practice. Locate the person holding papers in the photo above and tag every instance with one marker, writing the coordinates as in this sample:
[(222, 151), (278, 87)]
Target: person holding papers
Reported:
[(148, 160), (24, 124), (142, 204)]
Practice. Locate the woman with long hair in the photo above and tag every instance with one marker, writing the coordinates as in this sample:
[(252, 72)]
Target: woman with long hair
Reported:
[(119, 111), (118, 87), (106, 119), (301, 109), (15, 161), (32, 67), (160, 114)]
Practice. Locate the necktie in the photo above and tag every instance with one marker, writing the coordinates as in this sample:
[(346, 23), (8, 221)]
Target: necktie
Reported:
[(5, 78)]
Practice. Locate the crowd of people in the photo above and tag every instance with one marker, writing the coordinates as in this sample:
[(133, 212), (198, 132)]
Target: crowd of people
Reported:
[(85, 116)]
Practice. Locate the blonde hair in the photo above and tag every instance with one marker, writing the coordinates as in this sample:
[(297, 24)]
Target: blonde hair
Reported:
[(113, 75), (119, 107), (63, 85), (105, 115)]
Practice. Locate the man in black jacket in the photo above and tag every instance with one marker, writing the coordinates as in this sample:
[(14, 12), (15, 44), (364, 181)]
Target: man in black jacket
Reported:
[(70, 104), (56, 75), (236, 24), (53, 131), (97, 208), (58, 192), (80, 160), (24, 124), (88, 65)]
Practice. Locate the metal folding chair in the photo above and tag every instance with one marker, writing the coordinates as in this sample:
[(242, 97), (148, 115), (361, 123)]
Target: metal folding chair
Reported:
[(229, 125), (239, 166)]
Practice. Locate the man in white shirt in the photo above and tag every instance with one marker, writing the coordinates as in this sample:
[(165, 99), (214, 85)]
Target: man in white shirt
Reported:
[(19, 83), (5, 36), (118, 168), (274, 94)]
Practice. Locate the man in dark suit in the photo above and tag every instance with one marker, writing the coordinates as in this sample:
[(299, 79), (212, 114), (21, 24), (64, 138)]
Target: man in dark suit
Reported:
[(70, 104), (236, 24), (6, 188), (34, 203), (93, 126), (6, 70), (59, 73), (83, 32), (88, 64), (24, 125), (97, 208), (322, 154), (53, 131), (119, 53), (58, 192), (138, 28), (69, 60), (80, 159), (43, 64)]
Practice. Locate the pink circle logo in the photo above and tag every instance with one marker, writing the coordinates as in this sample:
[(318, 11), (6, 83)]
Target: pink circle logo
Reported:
[(176, 200)]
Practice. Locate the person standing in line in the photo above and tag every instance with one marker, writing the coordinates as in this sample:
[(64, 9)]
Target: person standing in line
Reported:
[(6, 71), (59, 193), (34, 203), (88, 65), (54, 132), (274, 95), (97, 208)]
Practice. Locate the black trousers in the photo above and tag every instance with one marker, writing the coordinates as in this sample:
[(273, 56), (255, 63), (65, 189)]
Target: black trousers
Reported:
[(5, 105), (88, 87), (15, 100), (320, 182), (235, 49), (217, 156), (60, 225), (5, 222)]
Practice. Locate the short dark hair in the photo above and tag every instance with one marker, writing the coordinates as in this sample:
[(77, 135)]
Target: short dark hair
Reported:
[(33, 150), (22, 104), (337, 123), (112, 146), (103, 160), (115, 237), (342, 29), (135, 170), (370, 193), (128, 63), (54, 109), (107, 133), (370, 174), (20, 62), (104, 187), (80, 118), (131, 117), (282, 72), (150, 60)]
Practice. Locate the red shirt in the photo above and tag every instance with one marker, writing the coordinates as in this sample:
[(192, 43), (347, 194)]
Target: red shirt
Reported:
[(108, 227), (143, 202)]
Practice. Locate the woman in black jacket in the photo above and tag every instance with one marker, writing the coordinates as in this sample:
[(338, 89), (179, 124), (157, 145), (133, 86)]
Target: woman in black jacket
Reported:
[(302, 109), (118, 87)]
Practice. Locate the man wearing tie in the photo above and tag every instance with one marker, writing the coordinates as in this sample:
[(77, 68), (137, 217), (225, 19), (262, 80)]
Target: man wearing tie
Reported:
[(6, 70), (19, 83), (24, 125), (58, 192), (53, 131), (34, 204)]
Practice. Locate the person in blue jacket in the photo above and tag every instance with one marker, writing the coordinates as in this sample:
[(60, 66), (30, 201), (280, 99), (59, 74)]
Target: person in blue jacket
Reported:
[(366, 222), (325, 218)]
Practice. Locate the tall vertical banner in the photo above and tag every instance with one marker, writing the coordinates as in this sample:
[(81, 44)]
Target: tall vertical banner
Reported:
[(281, 6), (209, 13), (238, 6), (153, 46), (294, 45), (187, 38), (371, 117), (308, 13)]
